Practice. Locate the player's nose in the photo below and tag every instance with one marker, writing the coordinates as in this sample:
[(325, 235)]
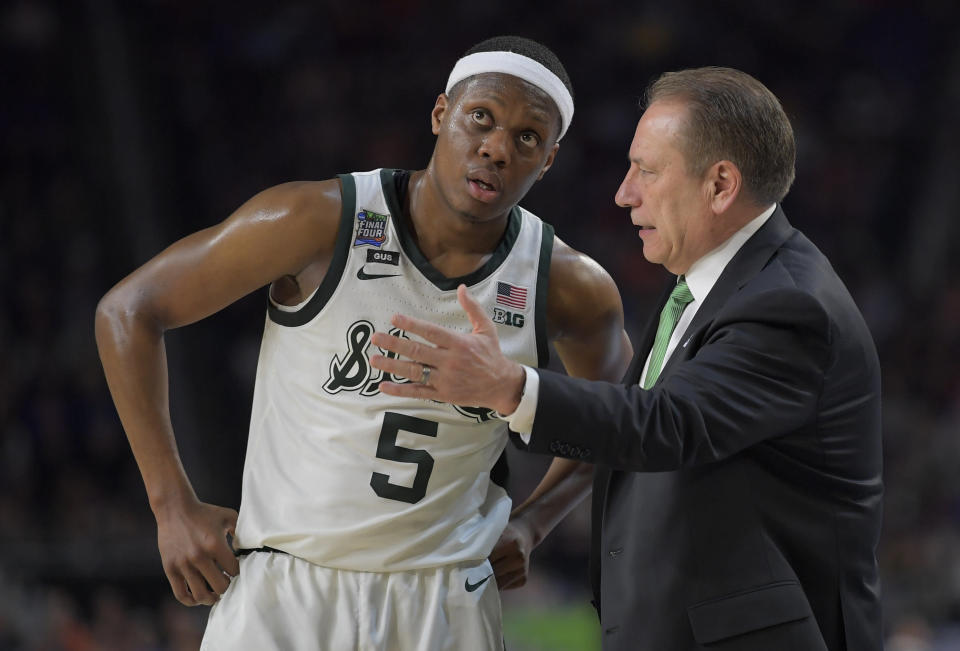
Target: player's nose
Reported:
[(495, 145)]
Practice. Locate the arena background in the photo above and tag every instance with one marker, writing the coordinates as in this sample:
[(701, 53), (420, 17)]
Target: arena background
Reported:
[(128, 124)]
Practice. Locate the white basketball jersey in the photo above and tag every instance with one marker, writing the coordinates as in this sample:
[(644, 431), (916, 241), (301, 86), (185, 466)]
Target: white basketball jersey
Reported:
[(344, 476)]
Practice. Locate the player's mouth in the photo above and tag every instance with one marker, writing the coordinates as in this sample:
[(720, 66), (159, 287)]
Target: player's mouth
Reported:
[(483, 186)]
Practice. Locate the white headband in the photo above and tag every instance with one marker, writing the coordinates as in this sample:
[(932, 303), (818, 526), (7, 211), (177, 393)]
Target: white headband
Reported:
[(520, 66)]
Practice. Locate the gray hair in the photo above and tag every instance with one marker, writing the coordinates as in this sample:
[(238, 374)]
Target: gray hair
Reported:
[(732, 116)]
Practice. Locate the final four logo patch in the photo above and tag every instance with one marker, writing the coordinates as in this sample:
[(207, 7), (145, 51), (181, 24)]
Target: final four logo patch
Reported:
[(371, 228)]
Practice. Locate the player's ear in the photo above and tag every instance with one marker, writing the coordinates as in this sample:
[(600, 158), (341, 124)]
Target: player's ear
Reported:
[(549, 162), (439, 109)]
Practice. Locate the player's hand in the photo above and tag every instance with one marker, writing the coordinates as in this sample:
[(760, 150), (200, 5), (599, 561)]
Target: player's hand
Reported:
[(197, 559), (466, 369), (510, 557)]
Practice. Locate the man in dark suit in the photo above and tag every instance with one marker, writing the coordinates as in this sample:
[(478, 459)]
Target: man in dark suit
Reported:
[(737, 494)]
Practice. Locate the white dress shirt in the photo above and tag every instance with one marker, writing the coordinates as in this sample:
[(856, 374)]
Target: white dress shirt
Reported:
[(701, 277)]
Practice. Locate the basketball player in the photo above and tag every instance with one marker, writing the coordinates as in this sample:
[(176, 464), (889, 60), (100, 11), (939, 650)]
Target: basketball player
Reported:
[(367, 522)]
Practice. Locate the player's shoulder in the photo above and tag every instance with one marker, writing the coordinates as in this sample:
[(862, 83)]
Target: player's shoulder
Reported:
[(579, 288), (294, 209), (299, 218), (575, 271), (300, 196)]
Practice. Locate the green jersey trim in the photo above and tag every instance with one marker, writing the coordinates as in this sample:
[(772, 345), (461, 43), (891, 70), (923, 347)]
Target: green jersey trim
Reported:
[(441, 282), (543, 286), (348, 199)]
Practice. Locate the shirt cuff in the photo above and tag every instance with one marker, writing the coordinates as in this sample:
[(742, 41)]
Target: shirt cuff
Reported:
[(521, 420)]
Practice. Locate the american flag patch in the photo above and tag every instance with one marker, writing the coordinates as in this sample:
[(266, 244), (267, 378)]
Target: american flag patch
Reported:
[(511, 296)]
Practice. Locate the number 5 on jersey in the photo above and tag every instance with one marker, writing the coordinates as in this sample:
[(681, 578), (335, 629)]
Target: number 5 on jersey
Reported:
[(387, 448)]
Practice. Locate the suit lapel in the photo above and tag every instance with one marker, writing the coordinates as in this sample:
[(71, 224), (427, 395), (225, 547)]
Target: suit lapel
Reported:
[(747, 263)]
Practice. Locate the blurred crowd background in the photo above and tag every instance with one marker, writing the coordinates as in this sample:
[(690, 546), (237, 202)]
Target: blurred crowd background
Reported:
[(125, 125)]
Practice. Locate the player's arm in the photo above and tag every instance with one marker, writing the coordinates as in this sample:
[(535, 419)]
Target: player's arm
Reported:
[(284, 234), (585, 323)]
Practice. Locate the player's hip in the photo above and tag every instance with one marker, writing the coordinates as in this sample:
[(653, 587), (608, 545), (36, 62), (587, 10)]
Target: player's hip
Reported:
[(279, 601)]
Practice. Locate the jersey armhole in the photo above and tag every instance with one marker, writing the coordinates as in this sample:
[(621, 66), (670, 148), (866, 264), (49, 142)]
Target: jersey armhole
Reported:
[(312, 307), (543, 286)]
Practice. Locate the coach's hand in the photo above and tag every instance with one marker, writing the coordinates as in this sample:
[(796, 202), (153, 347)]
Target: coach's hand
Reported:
[(464, 368), (198, 561), (510, 557)]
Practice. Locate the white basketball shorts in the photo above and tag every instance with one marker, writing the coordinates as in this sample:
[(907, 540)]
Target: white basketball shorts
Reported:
[(284, 603)]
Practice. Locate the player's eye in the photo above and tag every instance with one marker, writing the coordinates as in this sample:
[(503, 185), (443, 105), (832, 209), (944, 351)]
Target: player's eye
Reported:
[(530, 139), (480, 116)]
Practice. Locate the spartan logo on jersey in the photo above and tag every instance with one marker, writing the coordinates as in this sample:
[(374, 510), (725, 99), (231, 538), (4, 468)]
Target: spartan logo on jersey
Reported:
[(372, 388), (479, 414), (352, 370), (371, 228)]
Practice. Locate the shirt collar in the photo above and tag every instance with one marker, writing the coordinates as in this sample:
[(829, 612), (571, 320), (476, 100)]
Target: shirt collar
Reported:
[(704, 273)]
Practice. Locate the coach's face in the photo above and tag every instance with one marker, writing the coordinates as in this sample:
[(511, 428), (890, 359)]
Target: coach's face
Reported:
[(495, 138), (671, 206)]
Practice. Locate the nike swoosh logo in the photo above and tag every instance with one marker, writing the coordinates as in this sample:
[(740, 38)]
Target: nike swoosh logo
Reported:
[(470, 587), (362, 275)]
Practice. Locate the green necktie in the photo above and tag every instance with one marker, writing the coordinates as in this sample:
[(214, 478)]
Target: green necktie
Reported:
[(669, 316)]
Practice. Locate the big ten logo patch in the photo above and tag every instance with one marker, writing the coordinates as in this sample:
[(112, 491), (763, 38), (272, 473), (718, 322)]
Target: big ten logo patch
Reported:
[(371, 228), (506, 317)]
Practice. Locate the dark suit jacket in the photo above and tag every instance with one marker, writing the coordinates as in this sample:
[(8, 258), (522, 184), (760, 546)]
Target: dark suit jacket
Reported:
[(737, 503)]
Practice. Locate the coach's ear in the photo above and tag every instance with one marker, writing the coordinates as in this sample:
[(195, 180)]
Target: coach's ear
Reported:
[(439, 110), (724, 183)]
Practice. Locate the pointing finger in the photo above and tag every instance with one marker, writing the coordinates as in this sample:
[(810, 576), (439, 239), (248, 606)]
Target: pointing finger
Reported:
[(433, 333), (412, 350), (409, 390), (478, 318), (413, 371)]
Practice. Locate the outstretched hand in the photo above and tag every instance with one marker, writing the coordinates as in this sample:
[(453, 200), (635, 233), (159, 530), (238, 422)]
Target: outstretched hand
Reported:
[(464, 369)]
